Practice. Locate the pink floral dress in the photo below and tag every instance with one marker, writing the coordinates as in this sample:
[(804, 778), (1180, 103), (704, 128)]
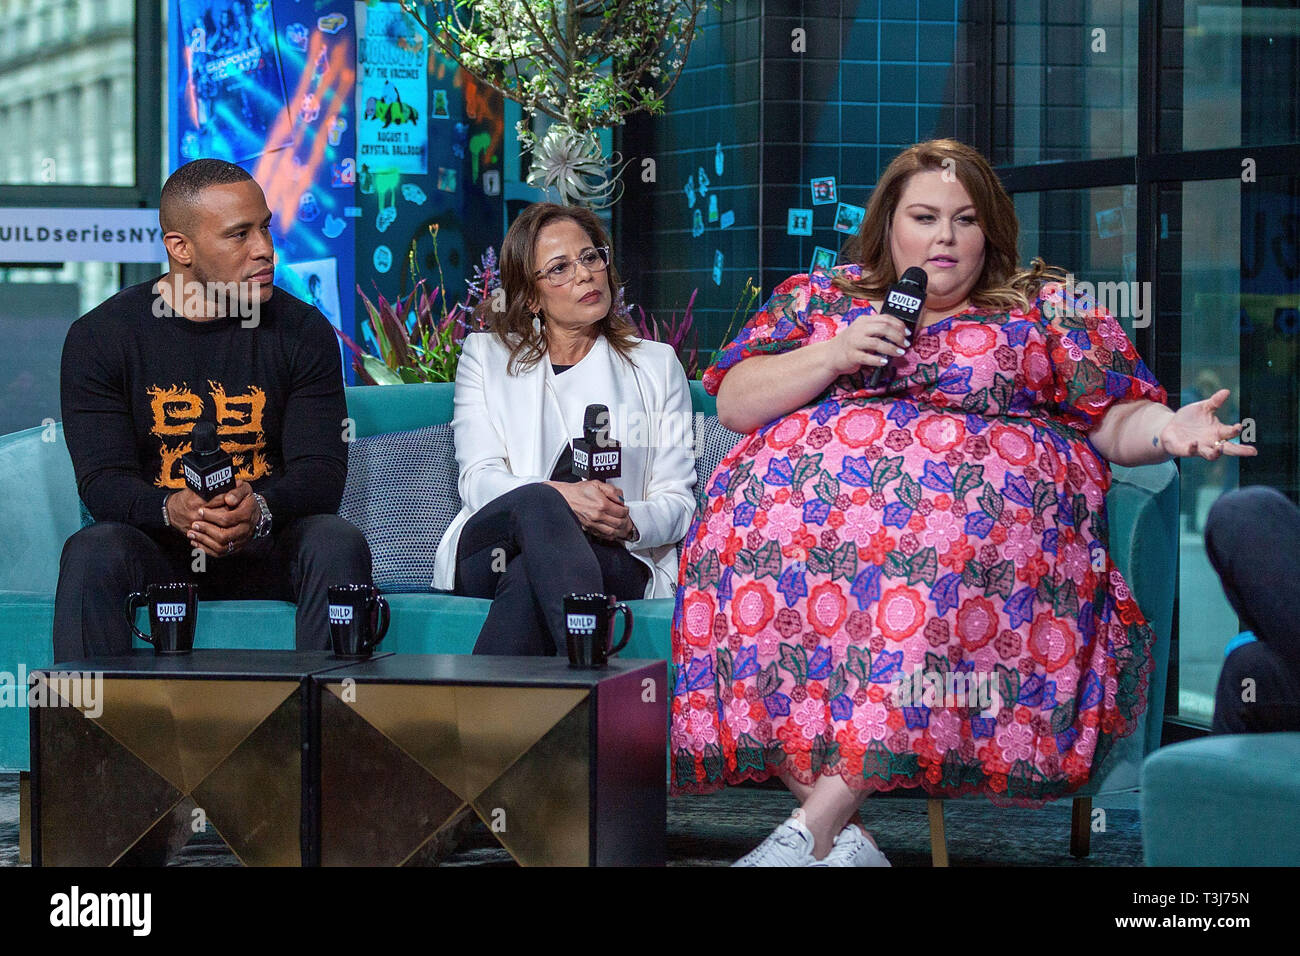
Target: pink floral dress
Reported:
[(863, 569)]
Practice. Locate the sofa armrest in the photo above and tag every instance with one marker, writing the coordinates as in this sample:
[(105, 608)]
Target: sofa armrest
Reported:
[(39, 508)]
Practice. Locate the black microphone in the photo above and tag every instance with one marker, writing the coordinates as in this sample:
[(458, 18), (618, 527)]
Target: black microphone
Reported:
[(595, 454), (905, 299), (209, 471)]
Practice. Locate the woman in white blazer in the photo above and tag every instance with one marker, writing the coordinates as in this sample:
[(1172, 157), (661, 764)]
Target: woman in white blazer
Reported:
[(530, 531)]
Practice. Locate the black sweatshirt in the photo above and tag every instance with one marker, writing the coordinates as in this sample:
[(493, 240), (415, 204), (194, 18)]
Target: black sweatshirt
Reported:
[(133, 383)]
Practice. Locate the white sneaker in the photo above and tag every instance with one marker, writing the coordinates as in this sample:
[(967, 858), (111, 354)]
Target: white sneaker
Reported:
[(852, 848), (790, 844)]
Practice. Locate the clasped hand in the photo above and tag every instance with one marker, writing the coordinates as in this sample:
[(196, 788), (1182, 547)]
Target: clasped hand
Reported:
[(871, 340), (220, 526), (598, 506)]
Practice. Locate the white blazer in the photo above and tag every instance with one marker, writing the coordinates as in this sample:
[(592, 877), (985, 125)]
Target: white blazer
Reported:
[(510, 431)]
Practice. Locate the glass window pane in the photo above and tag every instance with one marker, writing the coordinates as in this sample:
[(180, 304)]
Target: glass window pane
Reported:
[(1092, 235), (1065, 80), (67, 93), (1232, 255), (1217, 43)]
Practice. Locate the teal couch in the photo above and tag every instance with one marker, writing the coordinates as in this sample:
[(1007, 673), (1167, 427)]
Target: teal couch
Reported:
[(39, 510)]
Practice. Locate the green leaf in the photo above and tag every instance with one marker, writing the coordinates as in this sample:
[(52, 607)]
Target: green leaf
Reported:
[(754, 493), (1001, 391), (1001, 579), (973, 575), (897, 565), (1080, 513), (1067, 600), (967, 478), (795, 660), (937, 663), (380, 372), (908, 491), (837, 683), (769, 681), (844, 562), (827, 488), (859, 664), (819, 561), (976, 403), (808, 466), (723, 667), (410, 376), (1063, 717), (886, 470), (1044, 496), (991, 501), (923, 567), (710, 570), (767, 561), (743, 562), (1008, 684)]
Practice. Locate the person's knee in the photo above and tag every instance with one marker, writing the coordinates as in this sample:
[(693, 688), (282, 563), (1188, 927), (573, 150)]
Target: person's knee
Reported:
[(537, 498), (334, 539), (102, 546)]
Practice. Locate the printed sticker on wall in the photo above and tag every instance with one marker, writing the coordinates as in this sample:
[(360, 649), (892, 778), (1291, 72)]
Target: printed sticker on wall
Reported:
[(713, 208), (352, 212), (383, 259), (697, 224), (728, 219), (440, 105), (413, 193), (333, 227), (491, 182), (717, 267), (717, 159), (689, 189), (337, 127), (331, 23), (823, 190), (296, 34), (308, 208), (446, 179), (343, 174), (387, 216), (702, 181), (823, 260), (798, 222), (848, 217), (1110, 222)]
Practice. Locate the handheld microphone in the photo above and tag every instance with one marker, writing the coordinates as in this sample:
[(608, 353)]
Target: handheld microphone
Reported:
[(904, 301), (595, 454), (208, 470)]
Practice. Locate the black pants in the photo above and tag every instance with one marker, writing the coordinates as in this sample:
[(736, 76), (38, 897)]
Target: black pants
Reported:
[(1252, 536), (105, 562), (526, 550)]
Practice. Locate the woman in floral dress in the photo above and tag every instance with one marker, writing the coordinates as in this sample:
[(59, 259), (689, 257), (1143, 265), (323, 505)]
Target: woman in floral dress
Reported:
[(947, 526)]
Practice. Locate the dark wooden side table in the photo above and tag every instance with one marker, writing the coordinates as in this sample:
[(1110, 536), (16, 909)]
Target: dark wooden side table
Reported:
[(221, 738), (564, 766)]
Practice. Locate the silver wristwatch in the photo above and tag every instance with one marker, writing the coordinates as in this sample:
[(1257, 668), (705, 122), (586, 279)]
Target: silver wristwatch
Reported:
[(263, 518)]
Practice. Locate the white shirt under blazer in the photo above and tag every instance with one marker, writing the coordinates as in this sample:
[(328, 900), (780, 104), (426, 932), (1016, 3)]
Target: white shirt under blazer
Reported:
[(510, 431)]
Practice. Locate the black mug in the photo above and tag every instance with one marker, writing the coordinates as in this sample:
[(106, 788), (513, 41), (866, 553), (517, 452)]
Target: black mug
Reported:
[(589, 628), (173, 609), (358, 620)]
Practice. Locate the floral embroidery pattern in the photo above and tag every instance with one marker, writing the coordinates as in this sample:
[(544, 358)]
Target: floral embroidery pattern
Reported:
[(952, 521)]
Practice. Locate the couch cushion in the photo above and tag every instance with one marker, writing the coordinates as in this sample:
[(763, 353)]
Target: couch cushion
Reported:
[(712, 442), (401, 492)]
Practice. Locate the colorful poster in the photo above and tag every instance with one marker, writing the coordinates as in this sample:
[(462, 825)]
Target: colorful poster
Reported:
[(233, 96), (393, 90)]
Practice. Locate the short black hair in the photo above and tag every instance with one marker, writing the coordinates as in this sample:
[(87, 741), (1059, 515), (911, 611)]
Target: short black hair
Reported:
[(181, 191)]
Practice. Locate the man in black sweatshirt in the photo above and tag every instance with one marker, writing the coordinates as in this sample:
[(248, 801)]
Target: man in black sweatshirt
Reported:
[(213, 341)]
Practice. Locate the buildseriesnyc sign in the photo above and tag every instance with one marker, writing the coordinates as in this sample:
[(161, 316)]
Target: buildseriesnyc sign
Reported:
[(80, 235)]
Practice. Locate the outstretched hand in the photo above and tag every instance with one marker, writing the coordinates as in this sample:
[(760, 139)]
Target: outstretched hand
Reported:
[(1195, 429)]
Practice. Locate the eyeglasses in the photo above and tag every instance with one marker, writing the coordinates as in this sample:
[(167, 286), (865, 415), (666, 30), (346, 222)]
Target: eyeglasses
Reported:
[(593, 260)]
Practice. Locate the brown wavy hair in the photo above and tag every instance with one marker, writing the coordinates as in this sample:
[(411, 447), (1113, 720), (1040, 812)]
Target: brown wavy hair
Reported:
[(514, 326), (1002, 285)]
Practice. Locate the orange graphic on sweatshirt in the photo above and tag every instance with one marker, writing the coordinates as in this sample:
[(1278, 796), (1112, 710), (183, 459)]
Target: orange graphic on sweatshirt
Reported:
[(240, 430)]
